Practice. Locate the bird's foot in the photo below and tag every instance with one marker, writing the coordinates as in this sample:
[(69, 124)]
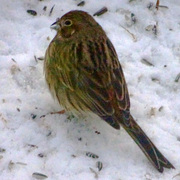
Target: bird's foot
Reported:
[(71, 117)]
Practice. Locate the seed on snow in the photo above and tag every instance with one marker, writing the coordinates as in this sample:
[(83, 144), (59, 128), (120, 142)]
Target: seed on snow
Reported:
[(32, 12), (101, 11), (99, 165), (89, 154), (177, 78), (81, 3), (37, 175)]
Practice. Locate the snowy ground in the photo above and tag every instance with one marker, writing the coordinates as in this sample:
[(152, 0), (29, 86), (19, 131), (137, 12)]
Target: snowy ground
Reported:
[(56, 147)]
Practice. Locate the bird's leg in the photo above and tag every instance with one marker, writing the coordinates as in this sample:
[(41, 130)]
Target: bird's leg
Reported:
[(58, 112)]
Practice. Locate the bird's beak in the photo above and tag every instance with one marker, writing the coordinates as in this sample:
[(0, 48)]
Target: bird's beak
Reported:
[(54, 23), (55, 26)]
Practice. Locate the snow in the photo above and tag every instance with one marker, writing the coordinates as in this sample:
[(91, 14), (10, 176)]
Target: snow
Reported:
[(61, 143)]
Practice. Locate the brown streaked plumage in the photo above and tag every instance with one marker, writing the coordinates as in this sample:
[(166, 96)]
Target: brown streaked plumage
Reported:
[(83, 72)]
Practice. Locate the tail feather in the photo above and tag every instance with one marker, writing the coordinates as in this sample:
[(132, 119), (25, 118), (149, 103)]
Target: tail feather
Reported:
[(148, 148)]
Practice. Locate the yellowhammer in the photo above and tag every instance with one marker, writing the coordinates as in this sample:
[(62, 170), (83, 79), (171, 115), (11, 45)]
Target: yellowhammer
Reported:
[(83, 72)]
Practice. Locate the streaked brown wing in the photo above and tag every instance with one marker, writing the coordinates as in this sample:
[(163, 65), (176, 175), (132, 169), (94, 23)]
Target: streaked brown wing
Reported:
[(101, 74)]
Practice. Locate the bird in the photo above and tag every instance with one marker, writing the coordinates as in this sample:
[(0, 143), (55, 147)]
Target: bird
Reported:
[(83, 73)]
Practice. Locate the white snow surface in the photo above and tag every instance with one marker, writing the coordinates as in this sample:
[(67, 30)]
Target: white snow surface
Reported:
[(55, 146)]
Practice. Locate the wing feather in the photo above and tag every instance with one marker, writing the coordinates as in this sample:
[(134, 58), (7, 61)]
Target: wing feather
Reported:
[(105, 83)]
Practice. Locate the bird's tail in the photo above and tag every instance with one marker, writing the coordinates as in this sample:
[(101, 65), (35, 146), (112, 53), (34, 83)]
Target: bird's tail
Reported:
[(148, 148)]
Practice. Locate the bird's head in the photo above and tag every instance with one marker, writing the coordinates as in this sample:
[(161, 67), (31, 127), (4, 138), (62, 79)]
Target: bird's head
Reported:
[(75, 22)]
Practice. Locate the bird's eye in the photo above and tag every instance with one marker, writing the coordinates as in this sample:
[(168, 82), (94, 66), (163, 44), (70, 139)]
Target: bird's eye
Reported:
[(67, 22)]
